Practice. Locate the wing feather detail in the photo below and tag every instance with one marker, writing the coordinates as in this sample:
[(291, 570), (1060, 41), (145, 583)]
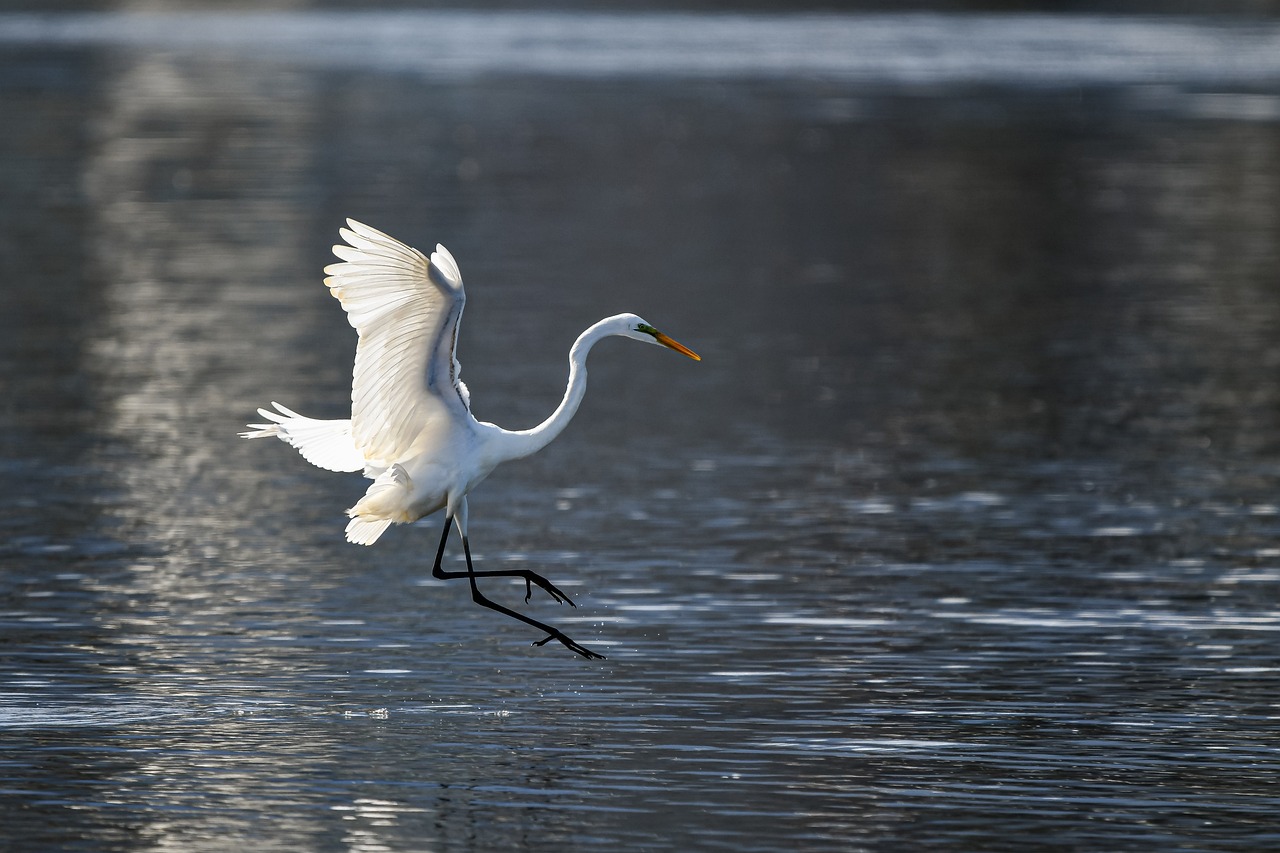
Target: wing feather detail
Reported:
[(405, 309)]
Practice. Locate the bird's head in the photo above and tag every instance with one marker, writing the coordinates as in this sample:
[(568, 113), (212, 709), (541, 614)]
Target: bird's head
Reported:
[(631, 326)]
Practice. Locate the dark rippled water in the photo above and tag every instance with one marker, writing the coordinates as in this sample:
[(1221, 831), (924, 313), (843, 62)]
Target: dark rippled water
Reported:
[(964, 535)]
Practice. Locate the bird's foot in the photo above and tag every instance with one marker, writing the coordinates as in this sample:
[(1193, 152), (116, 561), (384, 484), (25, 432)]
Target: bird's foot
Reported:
[(530, 578), (571, 645)]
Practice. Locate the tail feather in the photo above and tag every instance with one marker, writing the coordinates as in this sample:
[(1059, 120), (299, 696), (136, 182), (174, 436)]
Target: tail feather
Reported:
[(325, 444), (385, 502), (365, 531)]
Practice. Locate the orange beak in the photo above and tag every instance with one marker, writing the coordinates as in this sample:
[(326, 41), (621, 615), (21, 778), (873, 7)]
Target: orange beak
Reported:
[(676, 345)]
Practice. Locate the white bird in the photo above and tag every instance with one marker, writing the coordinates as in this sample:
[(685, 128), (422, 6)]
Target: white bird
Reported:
[(411, 429)]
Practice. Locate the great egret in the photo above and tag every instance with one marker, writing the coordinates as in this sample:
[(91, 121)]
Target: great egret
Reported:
[(411, 429)]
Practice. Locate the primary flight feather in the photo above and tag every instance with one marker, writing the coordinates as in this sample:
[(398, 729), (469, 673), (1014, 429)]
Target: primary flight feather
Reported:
[(411, 429)]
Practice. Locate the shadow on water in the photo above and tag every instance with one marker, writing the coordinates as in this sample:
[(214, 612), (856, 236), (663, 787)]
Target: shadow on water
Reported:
[(963, 534)]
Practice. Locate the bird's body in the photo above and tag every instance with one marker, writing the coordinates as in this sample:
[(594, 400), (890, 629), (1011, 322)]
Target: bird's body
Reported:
[(411, 429)]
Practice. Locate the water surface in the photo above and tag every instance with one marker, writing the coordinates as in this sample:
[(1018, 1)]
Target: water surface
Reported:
[(963, 535)]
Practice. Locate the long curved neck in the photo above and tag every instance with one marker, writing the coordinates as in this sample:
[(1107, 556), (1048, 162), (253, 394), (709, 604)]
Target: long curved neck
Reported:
[(526, 442)]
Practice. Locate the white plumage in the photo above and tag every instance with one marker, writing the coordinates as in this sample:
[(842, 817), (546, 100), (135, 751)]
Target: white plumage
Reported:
[(411, 429), (325, 444)]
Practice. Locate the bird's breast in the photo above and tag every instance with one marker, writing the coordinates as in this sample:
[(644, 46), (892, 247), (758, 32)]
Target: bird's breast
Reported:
[(454, 463)]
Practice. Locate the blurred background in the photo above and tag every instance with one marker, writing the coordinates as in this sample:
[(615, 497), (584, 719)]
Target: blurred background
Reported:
[(963, 535)]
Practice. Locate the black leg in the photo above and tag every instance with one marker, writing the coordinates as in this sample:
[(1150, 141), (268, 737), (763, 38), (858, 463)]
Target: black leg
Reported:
[(527, 576), (478, 597)]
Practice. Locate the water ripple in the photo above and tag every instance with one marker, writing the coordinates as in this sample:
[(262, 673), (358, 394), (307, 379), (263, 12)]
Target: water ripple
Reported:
[(1018, 50)]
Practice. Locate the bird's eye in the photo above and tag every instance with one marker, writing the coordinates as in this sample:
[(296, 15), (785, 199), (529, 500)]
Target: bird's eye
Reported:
[(647, 329)]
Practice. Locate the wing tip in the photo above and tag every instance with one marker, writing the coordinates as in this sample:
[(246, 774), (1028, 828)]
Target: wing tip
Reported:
[(443, 265)]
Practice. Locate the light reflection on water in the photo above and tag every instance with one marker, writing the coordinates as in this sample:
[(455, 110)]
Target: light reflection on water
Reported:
[(968, 540)]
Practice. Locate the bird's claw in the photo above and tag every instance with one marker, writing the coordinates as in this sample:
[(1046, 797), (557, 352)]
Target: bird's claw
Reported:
[(571, 645), (551, 589)]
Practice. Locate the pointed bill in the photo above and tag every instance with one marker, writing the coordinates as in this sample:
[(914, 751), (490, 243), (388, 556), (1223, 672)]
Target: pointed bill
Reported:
[(676, 345)]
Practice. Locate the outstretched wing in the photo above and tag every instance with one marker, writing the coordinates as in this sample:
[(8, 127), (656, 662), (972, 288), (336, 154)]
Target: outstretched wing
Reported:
[(405, 308)]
